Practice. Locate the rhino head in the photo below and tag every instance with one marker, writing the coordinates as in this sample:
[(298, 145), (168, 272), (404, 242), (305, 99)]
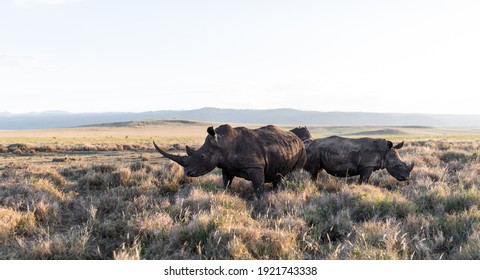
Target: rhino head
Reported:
[(198, 162), (395, 166), (302, 133)]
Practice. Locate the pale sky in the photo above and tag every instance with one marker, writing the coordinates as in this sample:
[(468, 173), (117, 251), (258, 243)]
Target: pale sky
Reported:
[(131, 56)]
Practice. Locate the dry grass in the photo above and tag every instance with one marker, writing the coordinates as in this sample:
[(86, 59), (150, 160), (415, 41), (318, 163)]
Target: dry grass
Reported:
[(136, 206)]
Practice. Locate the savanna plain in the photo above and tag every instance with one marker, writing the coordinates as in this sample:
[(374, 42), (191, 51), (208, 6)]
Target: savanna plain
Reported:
[(103, 192)]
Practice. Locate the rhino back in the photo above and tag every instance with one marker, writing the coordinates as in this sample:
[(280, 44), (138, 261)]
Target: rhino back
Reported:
[(342, 156), (270, 148), (284, 152)]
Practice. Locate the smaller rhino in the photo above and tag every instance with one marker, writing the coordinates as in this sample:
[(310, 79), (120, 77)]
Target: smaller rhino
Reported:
[(344, 157)]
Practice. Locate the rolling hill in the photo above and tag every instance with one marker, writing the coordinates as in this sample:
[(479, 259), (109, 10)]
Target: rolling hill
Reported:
[(59, 119)]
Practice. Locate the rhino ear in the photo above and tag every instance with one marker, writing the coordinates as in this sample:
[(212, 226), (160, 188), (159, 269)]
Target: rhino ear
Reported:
[(389, 144), (399, 145), (211, 131)]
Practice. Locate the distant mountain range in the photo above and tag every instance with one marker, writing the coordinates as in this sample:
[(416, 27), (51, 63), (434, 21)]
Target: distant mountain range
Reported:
[(60, 119)]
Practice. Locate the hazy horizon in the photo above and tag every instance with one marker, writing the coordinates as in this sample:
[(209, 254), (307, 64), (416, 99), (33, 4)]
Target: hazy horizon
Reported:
[(328, 56), (53, 111), (59, 119)]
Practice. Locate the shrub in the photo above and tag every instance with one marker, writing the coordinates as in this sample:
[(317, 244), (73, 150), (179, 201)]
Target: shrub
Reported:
[(456, 228), (169, 176), (379, 240), (445, 199), (297, 181), (461, 156), (131, 252), (364, 201), (74, 172), (15, 223), (470, 250), (72, 244), (378, 203)]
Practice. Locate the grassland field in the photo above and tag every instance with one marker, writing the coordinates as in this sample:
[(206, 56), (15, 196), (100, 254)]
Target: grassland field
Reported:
[(102, 192)]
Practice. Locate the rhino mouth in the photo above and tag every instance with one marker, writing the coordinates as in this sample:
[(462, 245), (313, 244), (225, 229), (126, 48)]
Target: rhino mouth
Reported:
[(403, 178), (402, 174), (191, 173)]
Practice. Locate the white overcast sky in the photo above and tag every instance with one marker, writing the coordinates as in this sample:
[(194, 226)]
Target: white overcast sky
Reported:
[(121, 55)]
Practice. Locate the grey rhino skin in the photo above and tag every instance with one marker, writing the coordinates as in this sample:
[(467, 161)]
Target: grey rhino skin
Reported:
[(344, 157), (259, 155), (303, 133)]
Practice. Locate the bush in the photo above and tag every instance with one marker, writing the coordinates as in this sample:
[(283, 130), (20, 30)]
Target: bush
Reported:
[(461, 156)]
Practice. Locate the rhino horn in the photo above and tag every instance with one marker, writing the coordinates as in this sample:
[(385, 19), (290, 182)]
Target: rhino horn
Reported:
[(190, 151), (410, 167), (178, 159)]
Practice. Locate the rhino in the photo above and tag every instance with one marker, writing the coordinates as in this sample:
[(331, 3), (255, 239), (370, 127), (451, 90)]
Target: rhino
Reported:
[(303, 133), (344, 157), (260, 155)]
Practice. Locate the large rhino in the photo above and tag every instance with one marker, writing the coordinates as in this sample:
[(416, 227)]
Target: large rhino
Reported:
[(343, 157), (259, 155)]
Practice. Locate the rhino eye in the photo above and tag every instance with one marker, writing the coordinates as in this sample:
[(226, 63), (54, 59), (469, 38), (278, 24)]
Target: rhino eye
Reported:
[(202, 156), (398, 165)]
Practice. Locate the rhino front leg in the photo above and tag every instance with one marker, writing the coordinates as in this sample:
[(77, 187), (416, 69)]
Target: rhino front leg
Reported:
[(365, 175), (227, 178)]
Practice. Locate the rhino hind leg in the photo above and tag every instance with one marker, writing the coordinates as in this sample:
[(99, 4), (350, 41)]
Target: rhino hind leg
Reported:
[(313, 168), (276, 182), (313, 173), (258, 180)]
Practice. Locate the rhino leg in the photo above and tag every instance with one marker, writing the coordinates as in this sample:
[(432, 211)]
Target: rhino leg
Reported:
[(227, 178), (313, 173), (258, 180), (365, 175), (313, 169), (276, 182)]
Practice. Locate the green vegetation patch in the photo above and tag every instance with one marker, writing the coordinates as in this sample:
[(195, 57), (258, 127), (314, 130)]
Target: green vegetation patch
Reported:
[(455, 230), (445, 199), (365, 202), (461, 156), (373, 202)]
